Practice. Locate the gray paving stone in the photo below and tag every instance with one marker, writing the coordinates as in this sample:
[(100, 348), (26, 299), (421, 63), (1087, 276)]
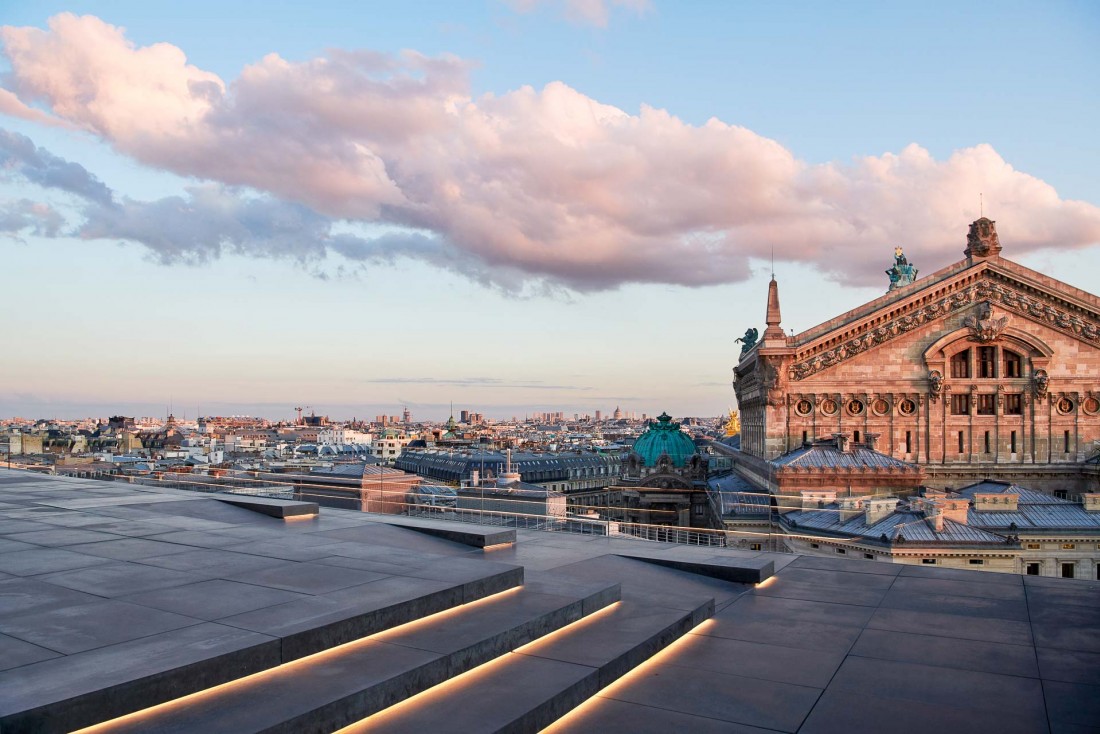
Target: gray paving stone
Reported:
[(10, 546), (307, 578), (57, 537), (13, 527), (87, 626), (397, 538), (1067, 637), (130, 549), (813, 668), (846, 712), (198, 538), (967, 627), (781, 587), (781, 610), (608, 716), (953, 587), (289, 551), (71, 692), (20, 596), (1072, 704), (319, 622), (847, 565), (966, 606), (214, 599), (45, 560), (1069, 666), (959, 574), (114, 579), (212, 563), (15, 653), (947, 652), (741, 700), (641, 580), (929, 685), (838, 579), (730, 624)]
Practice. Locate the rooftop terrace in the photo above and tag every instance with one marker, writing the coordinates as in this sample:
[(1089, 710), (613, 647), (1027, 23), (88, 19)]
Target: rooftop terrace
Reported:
[(151, 609)]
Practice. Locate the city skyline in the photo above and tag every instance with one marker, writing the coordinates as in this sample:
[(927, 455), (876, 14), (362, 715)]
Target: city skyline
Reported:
[(513, 207)]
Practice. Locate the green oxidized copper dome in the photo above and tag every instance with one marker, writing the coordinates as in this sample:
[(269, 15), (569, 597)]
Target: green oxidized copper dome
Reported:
[(664, 437)]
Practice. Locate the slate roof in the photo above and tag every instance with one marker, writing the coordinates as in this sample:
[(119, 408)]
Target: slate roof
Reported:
[(1035, 510), (828, 456), (736, 498), (910, 525)]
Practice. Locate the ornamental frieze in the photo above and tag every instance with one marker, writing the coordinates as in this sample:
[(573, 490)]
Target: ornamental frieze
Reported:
[(984, 290)]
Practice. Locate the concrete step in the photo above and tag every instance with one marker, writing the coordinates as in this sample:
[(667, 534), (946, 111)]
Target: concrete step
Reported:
[(269, 505), (532, 687), (66, 693), (336, 687), (478, 536)]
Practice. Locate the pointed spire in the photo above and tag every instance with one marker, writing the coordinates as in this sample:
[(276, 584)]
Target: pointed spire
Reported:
[(773, 318)]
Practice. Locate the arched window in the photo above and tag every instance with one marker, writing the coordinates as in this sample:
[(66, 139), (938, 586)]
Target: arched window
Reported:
[(987, 361), (1013, 364), (960, 364)]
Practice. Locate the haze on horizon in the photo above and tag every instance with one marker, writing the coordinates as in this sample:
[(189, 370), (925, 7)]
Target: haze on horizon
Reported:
[(514, 206)]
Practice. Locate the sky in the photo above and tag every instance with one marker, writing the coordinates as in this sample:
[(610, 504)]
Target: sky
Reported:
[(511, 206)]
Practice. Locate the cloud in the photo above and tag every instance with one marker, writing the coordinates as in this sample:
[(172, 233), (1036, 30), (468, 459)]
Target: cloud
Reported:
[(23, 216), (584, 12), (20, 156), (544, 186)]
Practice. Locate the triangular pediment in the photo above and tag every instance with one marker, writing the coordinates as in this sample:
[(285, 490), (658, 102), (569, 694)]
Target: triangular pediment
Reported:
[(1006, 287)]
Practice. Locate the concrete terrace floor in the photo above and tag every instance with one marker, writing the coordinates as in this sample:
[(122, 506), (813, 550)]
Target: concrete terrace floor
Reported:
[(97, 578)]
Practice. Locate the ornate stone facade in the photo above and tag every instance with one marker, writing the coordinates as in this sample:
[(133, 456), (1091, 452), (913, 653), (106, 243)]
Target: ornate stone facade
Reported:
[(983, 369)]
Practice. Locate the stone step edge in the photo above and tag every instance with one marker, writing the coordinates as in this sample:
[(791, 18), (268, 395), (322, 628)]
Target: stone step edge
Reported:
[(477, 536), (165, 685), (740, 570), (549, 706), (338, 712)]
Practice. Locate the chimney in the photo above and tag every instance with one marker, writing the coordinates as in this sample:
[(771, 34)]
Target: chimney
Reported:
[(842, 442), (950, 508), (869, 440), (850, 507), (879, 508), (996, 502), (815, 499), (1091, 500)]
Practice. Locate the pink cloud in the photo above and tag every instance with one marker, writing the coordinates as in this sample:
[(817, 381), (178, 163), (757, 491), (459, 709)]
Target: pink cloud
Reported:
[(548, 183)]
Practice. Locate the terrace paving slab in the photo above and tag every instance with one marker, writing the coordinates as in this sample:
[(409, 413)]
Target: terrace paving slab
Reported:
[(118, 578), (130, 549), (20, 596), (15, 653), (608, 716), (87, 626), (214, 599), (930, 649), (46, 560)]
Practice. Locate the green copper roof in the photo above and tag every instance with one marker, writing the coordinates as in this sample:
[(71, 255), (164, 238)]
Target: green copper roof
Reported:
[(664, 437)]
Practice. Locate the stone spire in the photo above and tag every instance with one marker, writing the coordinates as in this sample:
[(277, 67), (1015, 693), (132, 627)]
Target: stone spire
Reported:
[(773, 318), (982, 241)]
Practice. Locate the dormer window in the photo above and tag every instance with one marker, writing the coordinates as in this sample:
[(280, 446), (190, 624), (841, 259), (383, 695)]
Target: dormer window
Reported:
[(960, 365)]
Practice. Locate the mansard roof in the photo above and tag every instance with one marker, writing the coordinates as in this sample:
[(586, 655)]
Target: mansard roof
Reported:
[(1004, 285), (900, 526)]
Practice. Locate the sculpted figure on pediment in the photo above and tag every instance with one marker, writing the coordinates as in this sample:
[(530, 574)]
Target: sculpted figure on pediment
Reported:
[(985, 326)]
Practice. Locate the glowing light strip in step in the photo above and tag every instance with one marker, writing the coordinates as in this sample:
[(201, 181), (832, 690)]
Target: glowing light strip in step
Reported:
[(428, 696), (292, 667), (629, 677)]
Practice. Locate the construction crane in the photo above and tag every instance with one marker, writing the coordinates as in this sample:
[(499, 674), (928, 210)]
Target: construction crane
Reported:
[(299, 410)]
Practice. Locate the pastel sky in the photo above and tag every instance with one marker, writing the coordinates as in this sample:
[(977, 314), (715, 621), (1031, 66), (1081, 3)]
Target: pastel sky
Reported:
[(515, 206)]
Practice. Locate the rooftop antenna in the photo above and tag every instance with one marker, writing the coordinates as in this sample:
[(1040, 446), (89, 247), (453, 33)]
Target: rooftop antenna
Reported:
[(773, 262), (981, 205)]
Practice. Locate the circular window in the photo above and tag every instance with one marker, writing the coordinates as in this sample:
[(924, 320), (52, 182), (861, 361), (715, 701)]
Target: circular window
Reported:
[(880, 406), (1091, 405), (855, 407), (1065, 405), (907, 407), (804, 407), (828, 407)]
